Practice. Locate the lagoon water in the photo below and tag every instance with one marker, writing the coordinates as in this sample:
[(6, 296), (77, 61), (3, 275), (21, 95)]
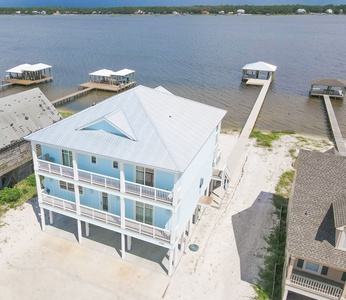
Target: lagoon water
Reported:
[(197, 57)]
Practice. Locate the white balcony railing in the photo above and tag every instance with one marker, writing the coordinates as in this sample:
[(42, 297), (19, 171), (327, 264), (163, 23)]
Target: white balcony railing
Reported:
[(59, 203), (108, 218), (56, 169), (149, 230), (316, 286), (108, 182)]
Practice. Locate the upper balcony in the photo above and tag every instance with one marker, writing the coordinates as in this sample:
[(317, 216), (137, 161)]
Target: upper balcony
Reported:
[(316, 285), (98, 180)]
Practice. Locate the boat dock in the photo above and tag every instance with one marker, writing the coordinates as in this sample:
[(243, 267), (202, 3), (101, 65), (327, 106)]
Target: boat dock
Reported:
[(12, 81), (339, 141), (87, 87), (4, 85), (239, 147)]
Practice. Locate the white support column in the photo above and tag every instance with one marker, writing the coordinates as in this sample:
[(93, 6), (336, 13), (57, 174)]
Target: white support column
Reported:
[(175, 259), (79, 229), (122, 177), (87, 229), (284, 297), (122, 212), (129, 243), (43, 221), (123, 246), (50, 217), (37, 177), (182, 242), (173, 225), (189, 228), (170, 262)]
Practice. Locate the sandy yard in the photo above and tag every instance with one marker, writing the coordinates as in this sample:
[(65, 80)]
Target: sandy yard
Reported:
[(38, 265)]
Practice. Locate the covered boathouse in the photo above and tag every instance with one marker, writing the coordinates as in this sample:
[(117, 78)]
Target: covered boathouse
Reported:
[(27, 74), (258, 70), (331, 87)]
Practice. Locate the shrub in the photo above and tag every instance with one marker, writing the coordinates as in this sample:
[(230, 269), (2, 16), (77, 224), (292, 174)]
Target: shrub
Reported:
[(8, 195), (30, 180)]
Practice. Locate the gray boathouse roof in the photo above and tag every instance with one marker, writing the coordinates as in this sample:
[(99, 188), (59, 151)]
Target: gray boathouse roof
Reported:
[(329, 82), (146, 126), (24, 113), (320, 183)]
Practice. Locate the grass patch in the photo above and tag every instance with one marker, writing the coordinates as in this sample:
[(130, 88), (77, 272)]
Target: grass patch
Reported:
[(16, 196), (293, 153), (266, 139), (270, 275), (65, 114)]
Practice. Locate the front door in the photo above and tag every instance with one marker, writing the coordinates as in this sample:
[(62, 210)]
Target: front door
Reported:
[(104, 201)]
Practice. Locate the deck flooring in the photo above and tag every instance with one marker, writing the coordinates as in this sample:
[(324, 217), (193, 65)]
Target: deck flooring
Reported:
[(27, 82), (107, 86), (339, 141)]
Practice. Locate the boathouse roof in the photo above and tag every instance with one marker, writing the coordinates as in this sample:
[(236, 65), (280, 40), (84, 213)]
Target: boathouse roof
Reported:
[(315, 204), (123, 72), (260, 66), (103, 72), (330, 82), (27, 67), (143, 125), (24, 113)]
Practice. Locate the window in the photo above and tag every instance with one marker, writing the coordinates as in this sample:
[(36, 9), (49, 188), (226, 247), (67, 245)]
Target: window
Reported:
[(70, 187), (144, 213), (81, 191), (343, 277), (300, 263), (309, 266), (63, 185), (115, 165), (67, 159), (93, 159), (145, 176), (105, 201)]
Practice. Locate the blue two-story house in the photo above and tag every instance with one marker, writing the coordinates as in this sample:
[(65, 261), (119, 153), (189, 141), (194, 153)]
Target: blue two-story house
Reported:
[(137, 163)]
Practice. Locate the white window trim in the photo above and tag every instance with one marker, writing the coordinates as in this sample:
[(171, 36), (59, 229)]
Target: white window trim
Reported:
[(310, 271), (113, 161)]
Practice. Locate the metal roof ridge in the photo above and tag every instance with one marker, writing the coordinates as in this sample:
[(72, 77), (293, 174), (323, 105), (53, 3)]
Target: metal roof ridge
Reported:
[(156, 130)]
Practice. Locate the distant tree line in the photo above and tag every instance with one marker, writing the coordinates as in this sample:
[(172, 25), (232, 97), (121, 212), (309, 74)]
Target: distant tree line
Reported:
[(197, 9)]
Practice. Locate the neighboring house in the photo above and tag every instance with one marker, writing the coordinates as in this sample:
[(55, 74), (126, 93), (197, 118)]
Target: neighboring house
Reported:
[(139, 163), (20, 115), (315, 264), (329, 11), (301, 11), (240, 11)]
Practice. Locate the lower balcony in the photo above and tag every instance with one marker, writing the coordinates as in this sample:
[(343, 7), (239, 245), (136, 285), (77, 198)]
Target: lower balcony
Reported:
[(107, 218), (108, 182), (316, 285)]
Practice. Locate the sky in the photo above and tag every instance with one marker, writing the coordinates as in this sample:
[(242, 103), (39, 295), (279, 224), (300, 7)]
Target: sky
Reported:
[(114, 3)]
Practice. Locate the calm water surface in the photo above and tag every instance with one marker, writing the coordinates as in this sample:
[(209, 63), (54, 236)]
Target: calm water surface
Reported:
[(195, 57)]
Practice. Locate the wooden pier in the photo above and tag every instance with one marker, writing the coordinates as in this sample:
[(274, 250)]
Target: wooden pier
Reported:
[(4, 85), (87, 87), (239, 147), (339, 141), (13, 81)]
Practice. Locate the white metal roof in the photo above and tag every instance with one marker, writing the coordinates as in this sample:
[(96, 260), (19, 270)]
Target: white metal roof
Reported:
[(260, 66), (23, 113), (28, 67), (103, 72), (169, 130), (123, 72)]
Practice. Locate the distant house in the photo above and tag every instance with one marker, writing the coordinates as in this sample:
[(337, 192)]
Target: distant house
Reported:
[(221, 12), (20, 115), (315, 260), (301, 11), (139, 163), (205, 12), (329, 11), (240, 11)]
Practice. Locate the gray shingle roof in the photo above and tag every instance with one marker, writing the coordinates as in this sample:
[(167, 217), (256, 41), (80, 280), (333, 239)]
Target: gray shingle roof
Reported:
[(339, 210), (169, 130), (24, 113), (320, 180)]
